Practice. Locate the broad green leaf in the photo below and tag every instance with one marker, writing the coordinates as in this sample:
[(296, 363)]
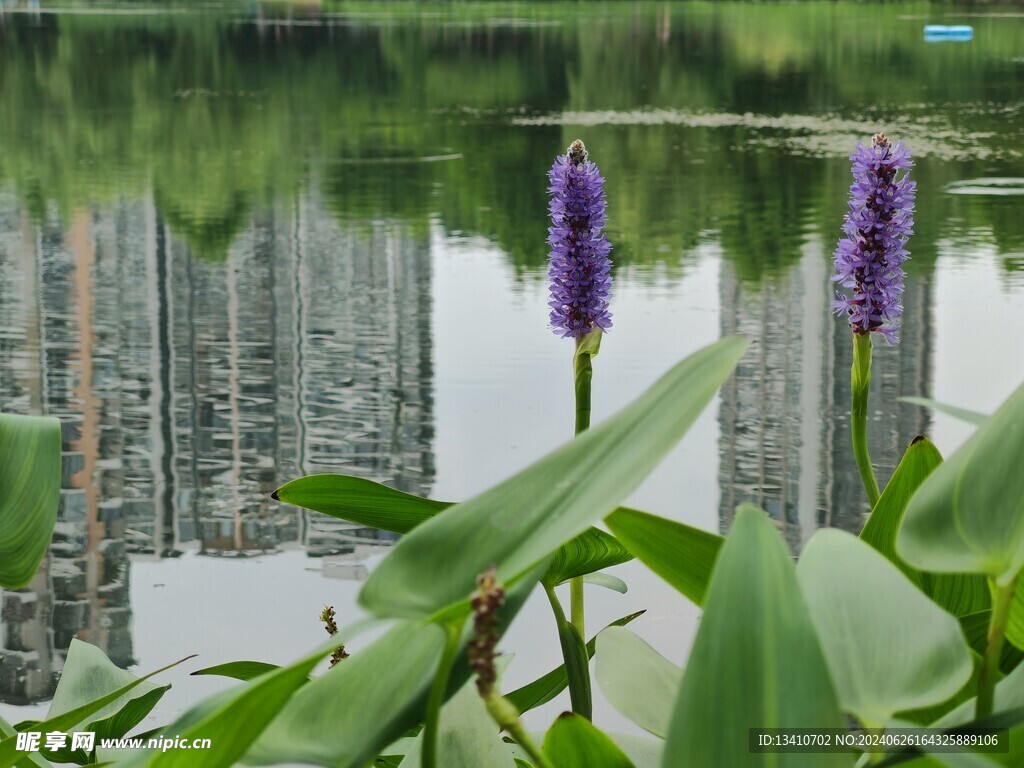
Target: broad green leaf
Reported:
[(637, 680), (591, 551), (928, 715), (959, 593), (968, 516), (545, 688), (756, 661), (1009, 713), (1009, 696), (10, 754), (467, 736), (971, 417), (975, 628), (345, 716), (888, 647), (360, 501), (29, 492), (364, 502), (520, 521), (682, 555), (574, 742), (88, 674), (607, 581), (239, 670)]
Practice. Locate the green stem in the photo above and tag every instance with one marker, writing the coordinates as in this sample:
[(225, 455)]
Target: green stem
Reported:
[(522, 738), (576, 603), (577, 661), (431, 720), (1002, 599), (506, 716), (584, 373), (860, 381)]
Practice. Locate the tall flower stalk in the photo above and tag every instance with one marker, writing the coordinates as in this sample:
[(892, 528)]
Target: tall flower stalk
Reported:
[(580, 273), (869, 262)]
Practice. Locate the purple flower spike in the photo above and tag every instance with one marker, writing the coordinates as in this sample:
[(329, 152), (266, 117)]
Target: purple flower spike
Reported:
[(580, 267), (880, 221)]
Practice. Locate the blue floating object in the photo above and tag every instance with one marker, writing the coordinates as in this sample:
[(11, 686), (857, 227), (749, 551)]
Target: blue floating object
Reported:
[(936, 32)]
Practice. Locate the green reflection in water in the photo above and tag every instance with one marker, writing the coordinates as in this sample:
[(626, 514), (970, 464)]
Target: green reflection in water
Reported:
[(713, 122)]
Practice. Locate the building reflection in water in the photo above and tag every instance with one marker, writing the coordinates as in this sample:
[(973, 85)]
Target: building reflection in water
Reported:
[(784, 418), (189, 388)]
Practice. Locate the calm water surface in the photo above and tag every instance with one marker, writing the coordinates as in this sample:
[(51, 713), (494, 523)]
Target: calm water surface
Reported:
[(239, 247)]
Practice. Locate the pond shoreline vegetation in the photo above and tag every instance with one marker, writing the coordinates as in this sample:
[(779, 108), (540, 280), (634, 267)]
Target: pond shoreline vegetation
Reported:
[(918, 621)]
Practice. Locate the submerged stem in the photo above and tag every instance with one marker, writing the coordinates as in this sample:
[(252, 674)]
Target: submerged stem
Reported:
[(432, 717), (860, 382), (1002, 599)]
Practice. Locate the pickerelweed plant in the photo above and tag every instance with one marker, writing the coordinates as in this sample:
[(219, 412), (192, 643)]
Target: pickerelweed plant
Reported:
[(918, 621), (869, 262), (580, 272)]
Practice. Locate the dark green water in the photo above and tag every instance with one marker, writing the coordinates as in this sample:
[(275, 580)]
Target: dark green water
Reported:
[(243, 244)]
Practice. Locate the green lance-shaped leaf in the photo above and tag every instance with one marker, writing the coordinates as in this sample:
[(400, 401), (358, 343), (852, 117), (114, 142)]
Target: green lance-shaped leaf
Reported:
[(959, 593), (682, 555), (888, 647), (360, 501), (968, 516), (963, 414), (239, 670), (29, 491), (128, 716), (575, 742), (520, 521), (590, 552), (920, 460), (637, 680), (365, 502), (606, 580), (756, 661)]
